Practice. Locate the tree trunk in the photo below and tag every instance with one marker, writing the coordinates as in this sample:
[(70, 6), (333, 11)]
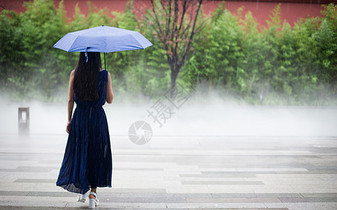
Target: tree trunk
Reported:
[(175, 30), (174, 74)]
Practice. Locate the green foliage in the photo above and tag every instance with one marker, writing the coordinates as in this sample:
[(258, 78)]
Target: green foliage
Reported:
[(279, 64)]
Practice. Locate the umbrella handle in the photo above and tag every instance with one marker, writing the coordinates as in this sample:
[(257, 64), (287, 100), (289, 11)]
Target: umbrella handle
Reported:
[(86, 55), (104, 61)]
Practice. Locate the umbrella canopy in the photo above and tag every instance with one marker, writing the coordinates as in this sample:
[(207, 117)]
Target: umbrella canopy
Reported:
[(102, 39)]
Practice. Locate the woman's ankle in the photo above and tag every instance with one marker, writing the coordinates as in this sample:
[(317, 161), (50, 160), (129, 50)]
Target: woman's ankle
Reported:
[(91, 195)]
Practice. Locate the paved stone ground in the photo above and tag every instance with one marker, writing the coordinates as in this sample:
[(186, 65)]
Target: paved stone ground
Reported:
[(180, 173)]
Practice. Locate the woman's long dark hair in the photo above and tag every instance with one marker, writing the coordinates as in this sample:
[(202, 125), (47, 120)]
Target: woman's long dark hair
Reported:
[(86, 76)]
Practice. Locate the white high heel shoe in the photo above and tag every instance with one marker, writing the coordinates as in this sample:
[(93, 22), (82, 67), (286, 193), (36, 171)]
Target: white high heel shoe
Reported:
[(82, 197), (93, 202)]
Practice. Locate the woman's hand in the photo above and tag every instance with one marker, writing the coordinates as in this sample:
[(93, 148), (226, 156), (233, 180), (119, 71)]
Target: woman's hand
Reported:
[(68, 126)]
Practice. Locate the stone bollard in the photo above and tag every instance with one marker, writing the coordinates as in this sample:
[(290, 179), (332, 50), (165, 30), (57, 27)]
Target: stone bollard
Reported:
[(23, 119)]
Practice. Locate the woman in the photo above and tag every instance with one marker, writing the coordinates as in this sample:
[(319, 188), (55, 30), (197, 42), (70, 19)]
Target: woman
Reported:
[(87, 162)]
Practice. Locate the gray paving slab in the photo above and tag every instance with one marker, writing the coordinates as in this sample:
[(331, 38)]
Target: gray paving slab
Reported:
[(317, 195), (36, 180), (29, 169), (304, 206), (222, 182), (49, 194), (14, 193), (181, 173), (308, 199), (256, 195), (221, 174)]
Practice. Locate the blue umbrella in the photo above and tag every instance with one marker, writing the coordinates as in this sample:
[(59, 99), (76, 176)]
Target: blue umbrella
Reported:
[(102, 39)]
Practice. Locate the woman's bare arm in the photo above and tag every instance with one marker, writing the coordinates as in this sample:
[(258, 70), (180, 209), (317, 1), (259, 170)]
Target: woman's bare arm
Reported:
[(109, 94), (70, 97)]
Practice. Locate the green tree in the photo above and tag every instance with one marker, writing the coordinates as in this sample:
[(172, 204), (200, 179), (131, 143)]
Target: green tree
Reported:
[(175, 25)]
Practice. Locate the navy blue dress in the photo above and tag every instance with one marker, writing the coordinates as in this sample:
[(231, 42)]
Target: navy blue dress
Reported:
[(87, 160)]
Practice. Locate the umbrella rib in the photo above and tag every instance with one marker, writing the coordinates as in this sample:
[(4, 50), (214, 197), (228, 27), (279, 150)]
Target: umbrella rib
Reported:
[(136, 38), (105, 42), (72, 44), (137, 41), (105, 49)]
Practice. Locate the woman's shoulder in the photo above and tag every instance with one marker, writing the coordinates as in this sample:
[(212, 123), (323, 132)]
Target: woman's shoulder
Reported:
[(72, 73), (104, 74), (103, 71)]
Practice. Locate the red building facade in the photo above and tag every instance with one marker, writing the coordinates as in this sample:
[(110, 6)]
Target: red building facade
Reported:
[(291, 10)]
